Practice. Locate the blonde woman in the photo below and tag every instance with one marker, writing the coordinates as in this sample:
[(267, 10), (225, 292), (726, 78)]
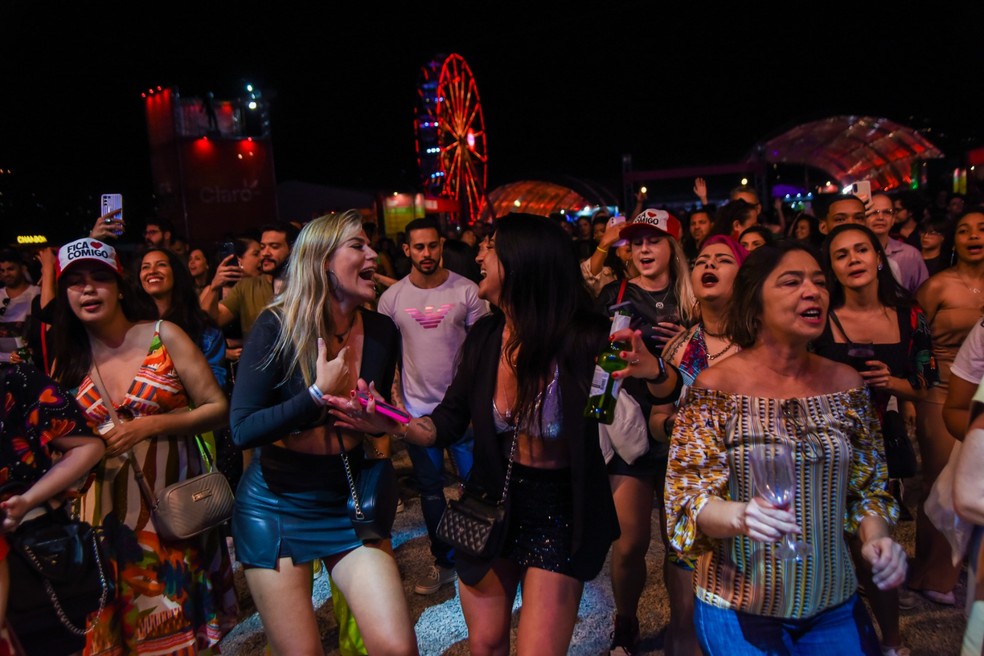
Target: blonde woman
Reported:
[(315, 338), (663, 301)]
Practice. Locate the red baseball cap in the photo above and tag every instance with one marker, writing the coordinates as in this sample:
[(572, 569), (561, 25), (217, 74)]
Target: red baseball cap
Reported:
[(652, 220)]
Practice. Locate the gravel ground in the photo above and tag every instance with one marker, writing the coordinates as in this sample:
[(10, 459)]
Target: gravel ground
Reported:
[(928, 629)]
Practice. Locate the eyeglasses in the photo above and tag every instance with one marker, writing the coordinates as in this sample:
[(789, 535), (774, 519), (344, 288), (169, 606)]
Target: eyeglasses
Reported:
[(806, 441), (6, 302), (882, 212)]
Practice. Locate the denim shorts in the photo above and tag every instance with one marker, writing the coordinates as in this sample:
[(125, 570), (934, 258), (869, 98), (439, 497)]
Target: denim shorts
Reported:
[(843, 630)]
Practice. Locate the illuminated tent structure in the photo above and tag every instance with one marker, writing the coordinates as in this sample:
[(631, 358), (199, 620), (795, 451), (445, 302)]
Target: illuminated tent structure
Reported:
[(546, 197), (852, 148)]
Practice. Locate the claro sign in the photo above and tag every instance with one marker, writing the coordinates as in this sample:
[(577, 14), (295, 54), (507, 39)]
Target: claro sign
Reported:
[(247, 193)]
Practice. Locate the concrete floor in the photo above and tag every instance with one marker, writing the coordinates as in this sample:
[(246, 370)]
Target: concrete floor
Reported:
[(928, 629)]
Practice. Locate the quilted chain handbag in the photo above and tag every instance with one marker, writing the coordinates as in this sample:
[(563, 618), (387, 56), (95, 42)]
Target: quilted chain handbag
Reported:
[(475, 525)]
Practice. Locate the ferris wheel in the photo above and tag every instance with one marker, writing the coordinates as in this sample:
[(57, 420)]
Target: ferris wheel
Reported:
[(450, 136)]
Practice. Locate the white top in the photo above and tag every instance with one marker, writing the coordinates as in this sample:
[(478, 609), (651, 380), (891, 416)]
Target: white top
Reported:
[(12, 323), (433, 324), (969, 363)]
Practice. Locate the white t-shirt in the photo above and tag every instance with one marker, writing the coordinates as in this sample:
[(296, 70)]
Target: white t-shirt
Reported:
[(969, 363), (14, 319), (433, 324)]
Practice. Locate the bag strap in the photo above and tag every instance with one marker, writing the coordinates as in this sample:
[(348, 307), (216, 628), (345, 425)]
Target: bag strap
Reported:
[(621, 290), (148, 494), (348, 475), (512, 457), (833, 317)]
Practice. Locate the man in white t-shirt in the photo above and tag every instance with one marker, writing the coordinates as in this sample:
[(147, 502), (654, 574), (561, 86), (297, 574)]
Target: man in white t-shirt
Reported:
[(433, 309), (15, 303)]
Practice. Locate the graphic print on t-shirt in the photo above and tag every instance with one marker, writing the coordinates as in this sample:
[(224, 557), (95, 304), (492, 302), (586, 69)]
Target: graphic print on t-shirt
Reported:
[(430, 317)]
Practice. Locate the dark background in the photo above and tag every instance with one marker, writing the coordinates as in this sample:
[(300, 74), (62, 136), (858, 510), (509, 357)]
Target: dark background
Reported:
[(566, 88)]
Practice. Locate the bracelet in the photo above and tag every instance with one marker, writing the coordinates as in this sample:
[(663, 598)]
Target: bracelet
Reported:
[(601, 250), (317, 395), (662, 373), (406, 429)]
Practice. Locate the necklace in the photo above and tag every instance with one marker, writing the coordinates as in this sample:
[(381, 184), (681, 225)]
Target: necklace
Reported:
[(975, 290), (340, 337), (707, 332), (507, 415), (713, 356), (659, 303)]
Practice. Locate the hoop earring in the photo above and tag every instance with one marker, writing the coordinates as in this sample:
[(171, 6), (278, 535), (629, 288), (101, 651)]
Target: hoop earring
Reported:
[(880, 266), (120, 296)]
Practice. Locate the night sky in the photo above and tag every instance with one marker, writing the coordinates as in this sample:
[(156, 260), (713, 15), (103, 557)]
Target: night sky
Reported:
[(565, 89)]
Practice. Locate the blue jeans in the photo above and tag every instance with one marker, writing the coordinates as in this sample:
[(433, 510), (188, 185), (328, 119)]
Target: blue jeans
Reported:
[(844, 630), (428, 470)]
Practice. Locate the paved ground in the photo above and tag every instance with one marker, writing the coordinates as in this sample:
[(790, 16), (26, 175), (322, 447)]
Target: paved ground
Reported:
[(929, 629)]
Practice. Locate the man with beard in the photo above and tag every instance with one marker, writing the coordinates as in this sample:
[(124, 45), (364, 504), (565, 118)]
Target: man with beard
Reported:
[(433, 308), (250, 295), (15, 302), (157, 233)]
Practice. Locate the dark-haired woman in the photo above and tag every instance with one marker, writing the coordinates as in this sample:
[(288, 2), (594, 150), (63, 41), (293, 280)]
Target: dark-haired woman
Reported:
[(953, 300), (199, 268), (869, 307), (776, 392), (176, 596), (523, 383), (167, 280)]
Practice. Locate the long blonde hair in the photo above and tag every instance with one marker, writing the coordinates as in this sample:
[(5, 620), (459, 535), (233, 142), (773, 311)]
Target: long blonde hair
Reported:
[(682, 285), (303, 305)]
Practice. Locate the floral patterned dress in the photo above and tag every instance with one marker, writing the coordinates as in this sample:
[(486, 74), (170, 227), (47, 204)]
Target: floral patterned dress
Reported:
[(174, 598)]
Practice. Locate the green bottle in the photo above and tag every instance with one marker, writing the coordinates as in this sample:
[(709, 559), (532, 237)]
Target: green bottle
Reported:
[(604, 388)]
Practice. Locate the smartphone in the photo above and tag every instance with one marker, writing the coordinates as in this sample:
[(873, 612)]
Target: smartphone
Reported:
[(616, 220), (861, 189), (385, 409), (228, 248), (108, 203)]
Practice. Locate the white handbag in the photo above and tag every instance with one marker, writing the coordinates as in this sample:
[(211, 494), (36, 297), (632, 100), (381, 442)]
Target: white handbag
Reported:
[(628, 434)]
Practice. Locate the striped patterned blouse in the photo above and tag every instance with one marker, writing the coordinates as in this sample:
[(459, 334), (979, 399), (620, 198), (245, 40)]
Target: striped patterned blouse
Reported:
[(841, 477)]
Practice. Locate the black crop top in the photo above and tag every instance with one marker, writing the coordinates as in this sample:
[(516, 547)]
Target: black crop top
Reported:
[(263, 411)]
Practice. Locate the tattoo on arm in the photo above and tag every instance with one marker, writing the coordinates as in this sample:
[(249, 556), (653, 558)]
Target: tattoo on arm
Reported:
[(426, 428)]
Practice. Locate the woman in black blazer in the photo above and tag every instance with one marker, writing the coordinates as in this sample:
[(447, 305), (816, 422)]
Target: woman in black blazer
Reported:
[(528, 365)]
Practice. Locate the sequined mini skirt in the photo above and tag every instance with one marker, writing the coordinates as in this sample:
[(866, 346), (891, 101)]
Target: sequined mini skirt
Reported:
[(541, 519)]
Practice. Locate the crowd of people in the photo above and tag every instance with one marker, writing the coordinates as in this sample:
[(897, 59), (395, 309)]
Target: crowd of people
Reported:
[(754, 337)]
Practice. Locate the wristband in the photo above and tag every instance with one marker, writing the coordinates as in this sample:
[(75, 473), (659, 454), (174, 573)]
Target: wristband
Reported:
[(601, 250), (662, 373), (317, 395)]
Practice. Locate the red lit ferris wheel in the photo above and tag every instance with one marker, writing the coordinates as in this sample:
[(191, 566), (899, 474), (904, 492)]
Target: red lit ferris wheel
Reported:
[(450, 136)]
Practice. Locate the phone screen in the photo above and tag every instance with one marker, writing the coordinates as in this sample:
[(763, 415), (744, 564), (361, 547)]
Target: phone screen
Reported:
[(108, 203)]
